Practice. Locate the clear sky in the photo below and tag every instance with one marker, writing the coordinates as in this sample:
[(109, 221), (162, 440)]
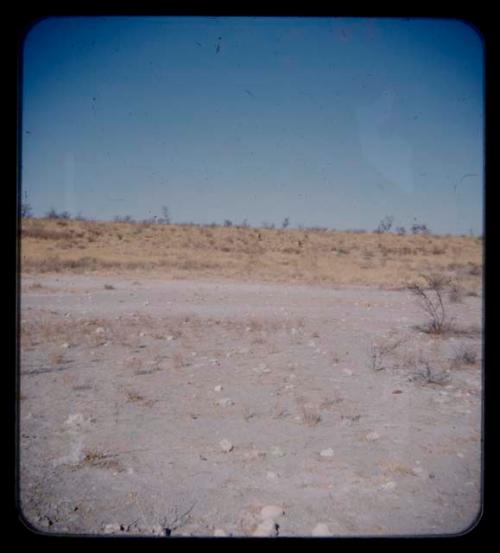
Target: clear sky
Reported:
[(328, 121)]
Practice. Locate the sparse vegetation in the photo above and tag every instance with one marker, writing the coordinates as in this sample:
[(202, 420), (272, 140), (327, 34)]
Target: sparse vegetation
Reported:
[(265, 254), (464, 355), (430, 297), (379, 353)]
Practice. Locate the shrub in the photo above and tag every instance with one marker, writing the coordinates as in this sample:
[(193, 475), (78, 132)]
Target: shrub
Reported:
[(430, 298), (385, 225)]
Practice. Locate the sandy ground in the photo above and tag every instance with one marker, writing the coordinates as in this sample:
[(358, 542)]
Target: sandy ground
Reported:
[(128, 393)]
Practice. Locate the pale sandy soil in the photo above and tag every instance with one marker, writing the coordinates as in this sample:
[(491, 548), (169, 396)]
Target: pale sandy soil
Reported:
[(121, 423)]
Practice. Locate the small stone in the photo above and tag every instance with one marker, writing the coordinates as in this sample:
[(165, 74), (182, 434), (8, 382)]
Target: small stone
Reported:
[(277, 452), (348, 372), (294, 331), (44, 522), (170, 338), (327, 452), (99, 330), (225, 402), (226, 445), (218, 388), (271, 511), (65, 345), (220, 533), (112, 528), (142, 334), (272, 475), (388, 485), (371, 436), (265, 529), (321, 529)]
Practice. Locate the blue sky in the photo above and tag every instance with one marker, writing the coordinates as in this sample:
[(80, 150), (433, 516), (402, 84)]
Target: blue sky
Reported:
[(328, 121)]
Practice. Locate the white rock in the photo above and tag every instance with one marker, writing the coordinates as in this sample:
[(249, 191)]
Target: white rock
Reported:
[(220, 533), (321, 529), (99, 330), (327, 452), (170, 338), (218, 388), (266, 529), (112, 528), (75, 419), (271, 511), (277, 452), (226, 445), (388, 485), (142, 334), (65, 345), (225, 402), (371, 436)]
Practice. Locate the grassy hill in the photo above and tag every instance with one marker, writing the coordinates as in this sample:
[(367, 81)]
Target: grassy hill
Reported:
[(301, 256)]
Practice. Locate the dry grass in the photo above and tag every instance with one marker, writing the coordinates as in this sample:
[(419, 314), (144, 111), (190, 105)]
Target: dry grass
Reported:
[(308, 256)]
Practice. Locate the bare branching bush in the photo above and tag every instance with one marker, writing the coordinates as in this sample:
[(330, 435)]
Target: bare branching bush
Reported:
[(430, 298), (380, 351), (427, 376)]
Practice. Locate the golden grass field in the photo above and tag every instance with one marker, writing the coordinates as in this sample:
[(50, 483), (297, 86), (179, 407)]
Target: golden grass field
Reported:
[(237, 253)]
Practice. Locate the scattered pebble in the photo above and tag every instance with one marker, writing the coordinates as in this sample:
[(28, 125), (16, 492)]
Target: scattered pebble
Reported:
[(44, 522), (277, 452), (321, 529), (225, 402), (65, 345), (218, 388), (226, 445), (112, 528), (271, 511), (327, 452), (371, 436), (388, 485), (220, 533), (348, 372), (142, 334), (170, 338), (272, 475), (265, 529), (99, 330)]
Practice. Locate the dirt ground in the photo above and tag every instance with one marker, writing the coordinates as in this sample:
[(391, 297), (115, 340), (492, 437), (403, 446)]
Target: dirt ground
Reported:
[(152, 407)]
